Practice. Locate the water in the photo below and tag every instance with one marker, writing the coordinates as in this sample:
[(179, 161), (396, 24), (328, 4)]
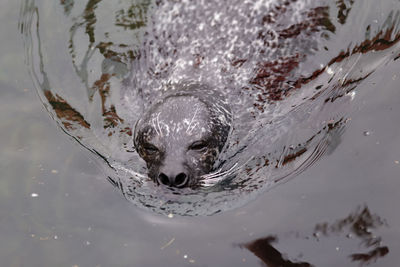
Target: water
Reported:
[(57, 208)]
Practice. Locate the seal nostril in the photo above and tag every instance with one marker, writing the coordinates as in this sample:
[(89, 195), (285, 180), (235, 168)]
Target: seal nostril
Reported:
[(181, 180), (163, 179)]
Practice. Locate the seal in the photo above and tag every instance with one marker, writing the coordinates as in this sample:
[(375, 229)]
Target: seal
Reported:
[(181, 135)]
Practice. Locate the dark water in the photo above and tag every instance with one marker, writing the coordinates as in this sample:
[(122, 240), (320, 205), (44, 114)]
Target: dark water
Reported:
[(58, 209)]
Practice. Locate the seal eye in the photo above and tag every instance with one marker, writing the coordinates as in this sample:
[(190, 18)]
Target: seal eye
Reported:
[(150, 149), (198, 146)]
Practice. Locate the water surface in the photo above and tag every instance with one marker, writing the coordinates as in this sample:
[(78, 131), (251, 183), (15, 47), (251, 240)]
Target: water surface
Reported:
[(57, 208)]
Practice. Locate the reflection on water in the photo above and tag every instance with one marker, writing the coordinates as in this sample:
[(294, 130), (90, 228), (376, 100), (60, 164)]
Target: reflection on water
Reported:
[(289, 70), (359, 225), (263, 249)]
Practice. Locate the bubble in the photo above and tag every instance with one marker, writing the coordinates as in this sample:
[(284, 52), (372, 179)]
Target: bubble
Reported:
[(366, 133)]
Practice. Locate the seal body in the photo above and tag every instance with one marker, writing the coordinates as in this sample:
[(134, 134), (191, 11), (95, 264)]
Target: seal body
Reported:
[(200, 62)]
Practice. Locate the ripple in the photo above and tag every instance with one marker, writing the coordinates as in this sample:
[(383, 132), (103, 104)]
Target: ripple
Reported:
[(290, 73)]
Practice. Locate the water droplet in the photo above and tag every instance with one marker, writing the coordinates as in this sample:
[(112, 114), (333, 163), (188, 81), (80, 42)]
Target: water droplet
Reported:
[(349, 236)]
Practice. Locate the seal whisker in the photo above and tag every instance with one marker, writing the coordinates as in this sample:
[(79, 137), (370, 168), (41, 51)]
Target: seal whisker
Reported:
[(213, 178)]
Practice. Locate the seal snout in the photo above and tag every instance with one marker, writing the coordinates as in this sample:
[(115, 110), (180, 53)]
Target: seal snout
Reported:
[(174, 180)]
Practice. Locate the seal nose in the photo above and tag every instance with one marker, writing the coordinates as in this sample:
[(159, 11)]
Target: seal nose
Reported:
[(180, 180)]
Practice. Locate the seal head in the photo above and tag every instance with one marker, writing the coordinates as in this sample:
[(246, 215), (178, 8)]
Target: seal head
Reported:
[(181, 136)]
